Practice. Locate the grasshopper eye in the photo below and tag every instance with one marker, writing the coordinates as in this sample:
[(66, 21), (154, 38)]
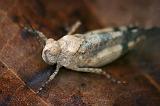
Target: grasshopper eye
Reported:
[(49, 57), (51, 52)]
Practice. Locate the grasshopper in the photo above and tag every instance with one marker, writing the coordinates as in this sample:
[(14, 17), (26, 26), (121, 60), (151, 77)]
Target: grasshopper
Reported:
[(87, 52)]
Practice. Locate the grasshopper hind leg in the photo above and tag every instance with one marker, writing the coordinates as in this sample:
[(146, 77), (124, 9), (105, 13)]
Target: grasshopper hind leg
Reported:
[(100, 72)]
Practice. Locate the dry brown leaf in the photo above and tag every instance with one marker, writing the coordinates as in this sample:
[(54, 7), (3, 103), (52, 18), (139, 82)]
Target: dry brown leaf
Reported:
[(22, 69)]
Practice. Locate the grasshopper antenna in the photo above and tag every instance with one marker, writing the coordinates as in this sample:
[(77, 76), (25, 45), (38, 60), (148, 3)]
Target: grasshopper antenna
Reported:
[(32, 31)]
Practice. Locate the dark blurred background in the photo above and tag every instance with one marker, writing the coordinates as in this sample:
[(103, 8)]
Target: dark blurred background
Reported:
[(22, 69)]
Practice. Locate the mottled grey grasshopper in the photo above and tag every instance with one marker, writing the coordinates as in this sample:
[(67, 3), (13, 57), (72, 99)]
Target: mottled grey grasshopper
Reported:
[(86, 52)]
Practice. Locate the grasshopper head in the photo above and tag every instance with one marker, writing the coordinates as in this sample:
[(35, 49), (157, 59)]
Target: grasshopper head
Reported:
[(51, 51)]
